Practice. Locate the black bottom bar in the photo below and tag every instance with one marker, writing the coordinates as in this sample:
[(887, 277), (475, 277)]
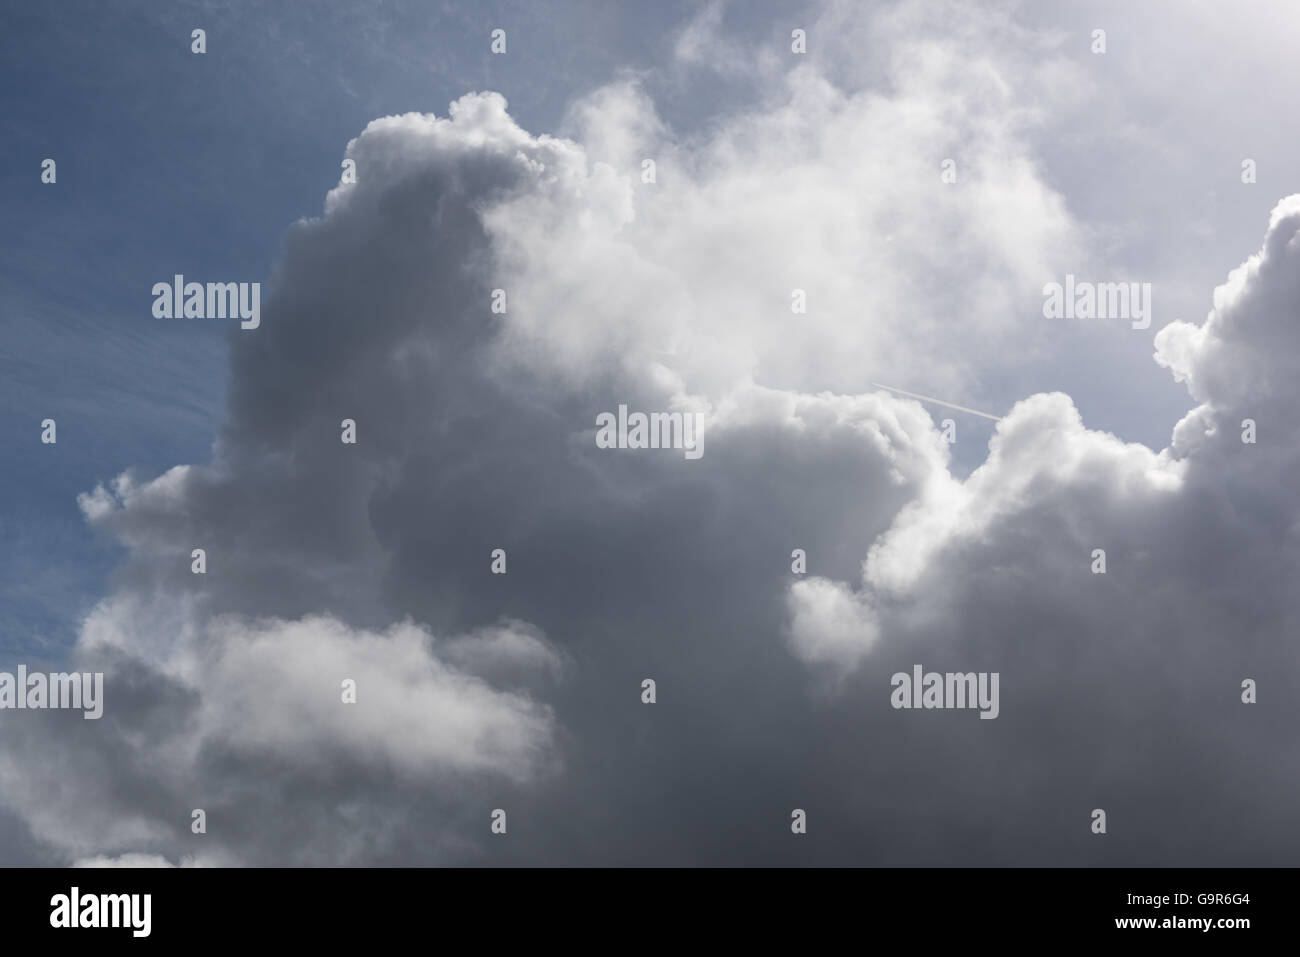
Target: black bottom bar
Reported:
[(666, 908)]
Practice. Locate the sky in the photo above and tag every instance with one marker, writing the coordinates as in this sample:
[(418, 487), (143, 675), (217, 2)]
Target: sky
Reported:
[(881, 201)]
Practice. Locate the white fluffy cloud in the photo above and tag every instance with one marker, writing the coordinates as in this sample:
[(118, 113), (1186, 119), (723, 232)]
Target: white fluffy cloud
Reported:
[(832, 193), (1051, 491)]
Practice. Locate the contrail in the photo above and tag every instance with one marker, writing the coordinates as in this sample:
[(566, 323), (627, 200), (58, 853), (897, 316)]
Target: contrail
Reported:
[(926, 398)]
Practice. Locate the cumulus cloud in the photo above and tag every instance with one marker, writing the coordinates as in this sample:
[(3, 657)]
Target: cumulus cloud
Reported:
[(232, 703), (1138, 671), (834, 193), (328, 561), (828, 623)]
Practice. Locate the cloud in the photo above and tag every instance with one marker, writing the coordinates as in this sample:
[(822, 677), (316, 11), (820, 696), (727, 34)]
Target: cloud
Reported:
[(834, 193), (828, 623), (231, 704), (475, 690), (1123, 688)]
